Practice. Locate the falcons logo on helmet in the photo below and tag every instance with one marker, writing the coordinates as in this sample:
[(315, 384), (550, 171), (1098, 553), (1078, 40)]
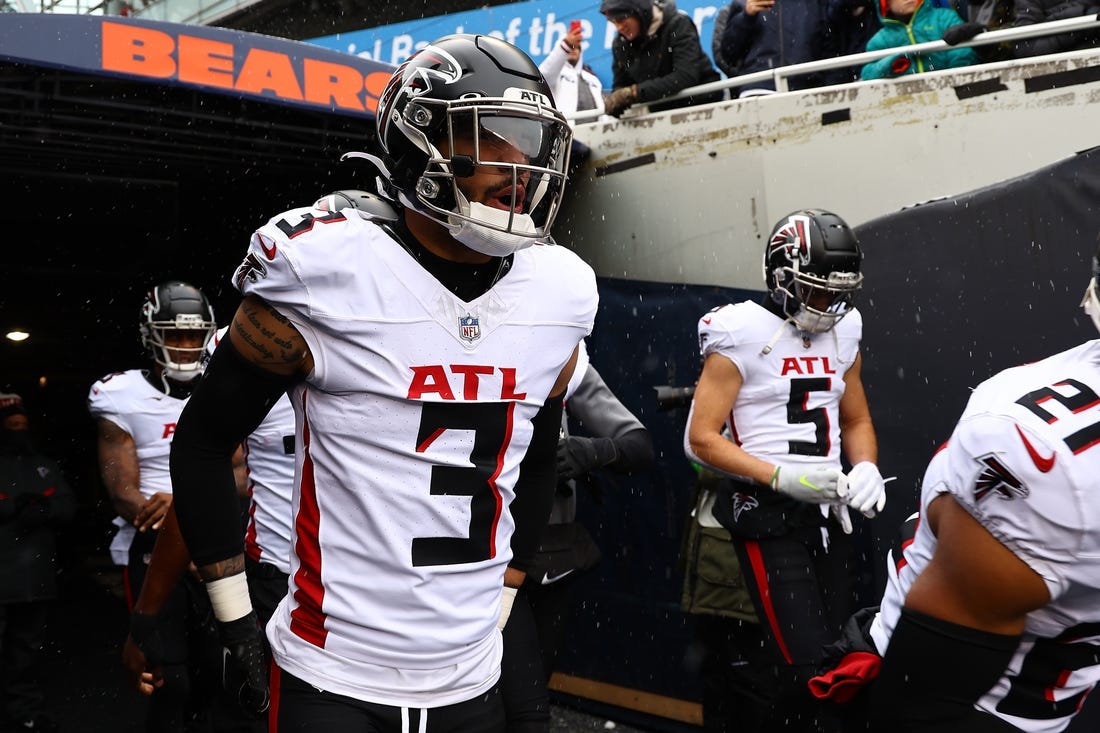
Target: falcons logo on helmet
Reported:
[(433, 66), (995, 478), (793, 239)]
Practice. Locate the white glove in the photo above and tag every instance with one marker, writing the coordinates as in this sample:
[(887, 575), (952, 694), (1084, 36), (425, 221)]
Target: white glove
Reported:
[(506, 602), (840, 511), (866, 491), (811, 484)]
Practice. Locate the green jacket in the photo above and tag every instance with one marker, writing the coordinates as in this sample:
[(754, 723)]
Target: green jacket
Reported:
[(927, 24)]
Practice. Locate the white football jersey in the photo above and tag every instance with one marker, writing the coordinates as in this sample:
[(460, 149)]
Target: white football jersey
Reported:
[(411, 429), (269, 463), (789, 403), (149, 416), (1024, 461)]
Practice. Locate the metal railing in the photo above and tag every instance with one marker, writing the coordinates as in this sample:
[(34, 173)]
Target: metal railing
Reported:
[(780, 75)]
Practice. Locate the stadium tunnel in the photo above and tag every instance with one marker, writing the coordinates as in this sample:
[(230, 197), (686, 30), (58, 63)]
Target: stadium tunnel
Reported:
[(132, 152)]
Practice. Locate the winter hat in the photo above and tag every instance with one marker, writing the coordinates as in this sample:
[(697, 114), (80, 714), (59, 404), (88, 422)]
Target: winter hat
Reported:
[(618, 8), (11, 404)]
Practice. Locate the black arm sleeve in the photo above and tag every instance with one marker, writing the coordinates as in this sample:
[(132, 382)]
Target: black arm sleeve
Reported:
[(933, 673), (230, 401), (536, 484), (634, 451)]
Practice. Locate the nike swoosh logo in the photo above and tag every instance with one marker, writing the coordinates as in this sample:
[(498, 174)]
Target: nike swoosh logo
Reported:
[(1043, 464), (802, 480), (706, 320), (269, 253), (548, 578)]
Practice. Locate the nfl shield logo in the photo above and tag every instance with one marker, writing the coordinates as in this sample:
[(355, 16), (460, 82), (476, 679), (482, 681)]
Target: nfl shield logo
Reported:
[(468, 328)]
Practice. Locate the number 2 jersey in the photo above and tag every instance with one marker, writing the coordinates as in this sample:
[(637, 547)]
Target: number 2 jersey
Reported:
[(1024, 460), (410, 429)]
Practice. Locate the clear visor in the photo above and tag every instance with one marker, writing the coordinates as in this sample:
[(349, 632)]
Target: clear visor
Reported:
[(506, 136)]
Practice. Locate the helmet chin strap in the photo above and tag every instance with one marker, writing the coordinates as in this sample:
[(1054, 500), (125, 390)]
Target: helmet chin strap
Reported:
[(491, 231)]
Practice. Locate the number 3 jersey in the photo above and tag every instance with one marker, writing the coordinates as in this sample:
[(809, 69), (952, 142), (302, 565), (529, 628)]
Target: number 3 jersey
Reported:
[(1024, 460), (788, 405), (411, 429)]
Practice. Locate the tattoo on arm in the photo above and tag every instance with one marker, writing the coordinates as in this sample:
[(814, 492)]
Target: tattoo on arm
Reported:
[(267, 338), (222, 569)]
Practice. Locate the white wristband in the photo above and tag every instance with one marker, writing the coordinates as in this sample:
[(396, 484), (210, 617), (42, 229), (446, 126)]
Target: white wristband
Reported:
[(229, 597), (506, 601)]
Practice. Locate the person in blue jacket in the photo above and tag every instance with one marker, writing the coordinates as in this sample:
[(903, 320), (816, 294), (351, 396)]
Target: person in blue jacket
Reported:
[(905, 22), (764, 34)]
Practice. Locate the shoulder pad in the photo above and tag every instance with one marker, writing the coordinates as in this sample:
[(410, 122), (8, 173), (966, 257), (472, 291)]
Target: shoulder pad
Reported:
[(368, 205)]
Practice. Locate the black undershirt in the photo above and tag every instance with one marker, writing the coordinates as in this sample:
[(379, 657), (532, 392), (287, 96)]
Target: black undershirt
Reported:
[(465, 279)]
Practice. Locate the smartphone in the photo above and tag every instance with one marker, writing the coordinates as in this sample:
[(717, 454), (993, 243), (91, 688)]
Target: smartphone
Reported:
[(574, 26)]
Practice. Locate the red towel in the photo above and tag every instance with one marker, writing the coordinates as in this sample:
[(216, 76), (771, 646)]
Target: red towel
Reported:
[(847, 678)]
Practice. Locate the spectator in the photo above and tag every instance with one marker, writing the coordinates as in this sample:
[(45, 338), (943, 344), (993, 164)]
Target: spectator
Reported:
[(135, 412), (656, 54), (615, 440), (427, 349), (1002, 577), (1030, 12), (905, 22), (726, 65), (762, 35), (783, 377), (35, 502), (989, 15), (575, 87), (850, 24)]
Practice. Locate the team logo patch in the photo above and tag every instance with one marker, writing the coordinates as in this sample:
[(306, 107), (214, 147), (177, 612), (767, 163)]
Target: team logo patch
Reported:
[(793, 239), (743, 503), (995, 478), (468, 328), (251, 269)]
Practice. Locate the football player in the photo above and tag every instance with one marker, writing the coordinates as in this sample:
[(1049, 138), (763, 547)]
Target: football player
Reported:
[(135, 413), (993, 621), (783, 377), (426, 347)]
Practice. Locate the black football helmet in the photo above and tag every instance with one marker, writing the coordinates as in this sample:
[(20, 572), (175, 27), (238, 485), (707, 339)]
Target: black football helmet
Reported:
[(171, 307), (811, 268), (481, 89)]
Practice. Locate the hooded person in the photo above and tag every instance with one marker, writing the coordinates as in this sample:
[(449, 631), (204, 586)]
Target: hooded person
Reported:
[(656, 54), (576, 88)]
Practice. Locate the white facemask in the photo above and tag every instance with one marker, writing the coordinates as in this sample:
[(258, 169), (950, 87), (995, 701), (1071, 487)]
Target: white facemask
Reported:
[(493, 241)]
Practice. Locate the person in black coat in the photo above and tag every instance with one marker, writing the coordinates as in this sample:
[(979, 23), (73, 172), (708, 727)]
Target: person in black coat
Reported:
[(656, 54), (35, 501), (1030, 12)]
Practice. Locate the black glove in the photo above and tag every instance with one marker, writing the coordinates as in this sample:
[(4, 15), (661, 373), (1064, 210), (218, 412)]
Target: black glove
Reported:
[(961, 33), (244, 667), (578, 456), (145, 633)]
